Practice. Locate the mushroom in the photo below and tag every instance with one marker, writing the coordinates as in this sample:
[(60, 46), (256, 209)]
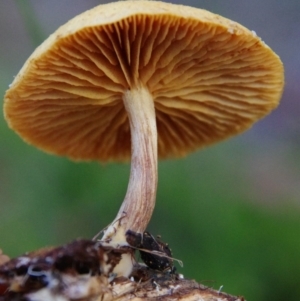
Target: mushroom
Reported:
[(142, 79), (3, 258)]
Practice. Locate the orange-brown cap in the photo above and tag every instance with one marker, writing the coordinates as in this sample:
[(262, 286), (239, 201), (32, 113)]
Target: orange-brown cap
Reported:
[(210, 78)]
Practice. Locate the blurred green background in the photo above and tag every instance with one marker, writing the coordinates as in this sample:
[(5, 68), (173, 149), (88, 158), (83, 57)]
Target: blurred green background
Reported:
[(230, 212)]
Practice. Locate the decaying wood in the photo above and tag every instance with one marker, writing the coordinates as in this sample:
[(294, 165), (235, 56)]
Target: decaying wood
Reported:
[(83, 270), (160, 286)]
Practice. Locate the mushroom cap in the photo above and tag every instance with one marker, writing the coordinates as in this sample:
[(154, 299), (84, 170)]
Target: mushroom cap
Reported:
[(210, 78)]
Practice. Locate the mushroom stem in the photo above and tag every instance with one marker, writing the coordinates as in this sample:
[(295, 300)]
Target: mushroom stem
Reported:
[(138, 205)]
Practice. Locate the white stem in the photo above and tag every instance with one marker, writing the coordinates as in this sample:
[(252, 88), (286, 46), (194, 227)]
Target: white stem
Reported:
[(138, 205)]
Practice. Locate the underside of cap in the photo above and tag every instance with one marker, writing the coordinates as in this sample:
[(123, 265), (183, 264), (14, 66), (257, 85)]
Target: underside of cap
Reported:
[(210, 78)]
